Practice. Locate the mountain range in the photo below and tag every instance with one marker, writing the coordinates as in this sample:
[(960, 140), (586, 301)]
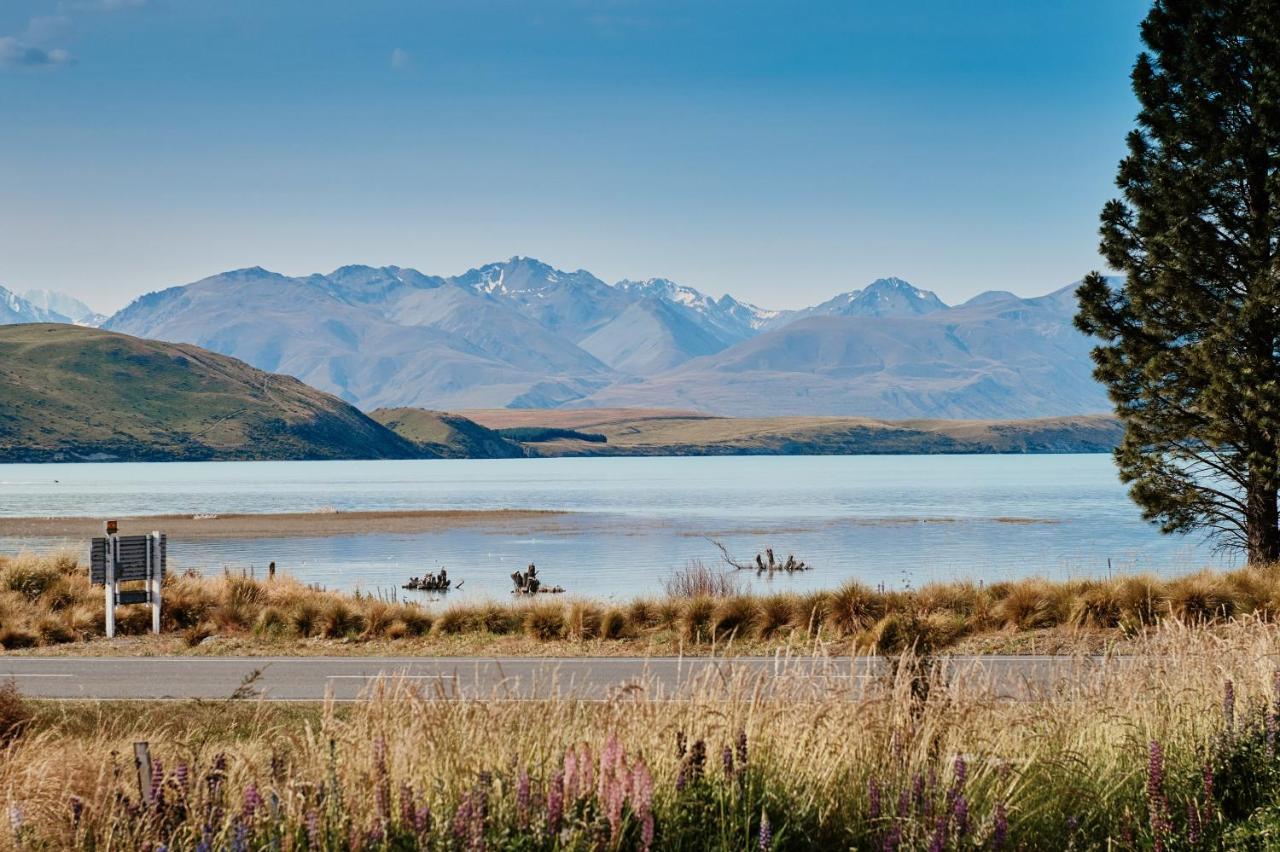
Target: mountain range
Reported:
[(521, 334)]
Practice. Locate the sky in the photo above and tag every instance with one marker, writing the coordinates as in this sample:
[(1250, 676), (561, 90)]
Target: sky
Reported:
[(782, 151)]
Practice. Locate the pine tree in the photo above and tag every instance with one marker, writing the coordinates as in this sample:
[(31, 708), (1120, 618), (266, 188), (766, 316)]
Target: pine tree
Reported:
[(1191, 341)]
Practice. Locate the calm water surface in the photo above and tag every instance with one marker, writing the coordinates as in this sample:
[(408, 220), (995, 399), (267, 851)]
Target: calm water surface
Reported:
[(896, 520)]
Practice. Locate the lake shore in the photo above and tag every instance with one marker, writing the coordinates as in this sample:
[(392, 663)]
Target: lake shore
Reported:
[(282, 524)]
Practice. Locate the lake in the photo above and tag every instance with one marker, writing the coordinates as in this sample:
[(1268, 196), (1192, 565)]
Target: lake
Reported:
[(891, 520)]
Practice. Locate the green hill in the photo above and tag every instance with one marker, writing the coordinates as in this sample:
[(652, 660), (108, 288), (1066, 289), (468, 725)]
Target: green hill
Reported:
[(69, 393), (449, 435)]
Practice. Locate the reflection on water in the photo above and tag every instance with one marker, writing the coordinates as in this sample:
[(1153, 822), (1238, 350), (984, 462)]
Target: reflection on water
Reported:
[(892, 520)]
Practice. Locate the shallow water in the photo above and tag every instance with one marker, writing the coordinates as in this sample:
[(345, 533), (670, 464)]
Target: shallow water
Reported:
[(892, 520)]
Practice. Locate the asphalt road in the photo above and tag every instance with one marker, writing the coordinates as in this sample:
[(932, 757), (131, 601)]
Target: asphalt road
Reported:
[(517, 678)]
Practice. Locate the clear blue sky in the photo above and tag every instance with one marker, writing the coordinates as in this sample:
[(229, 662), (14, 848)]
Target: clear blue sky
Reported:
[(782, 151)]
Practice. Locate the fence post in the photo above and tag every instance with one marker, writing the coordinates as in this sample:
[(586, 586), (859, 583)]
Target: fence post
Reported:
[(142, 763)]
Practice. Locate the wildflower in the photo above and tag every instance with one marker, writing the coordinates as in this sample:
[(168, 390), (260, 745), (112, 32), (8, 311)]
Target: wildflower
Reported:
[(698, 759), (462, 817), (681, 741), (157, 783), (1193, 824), (1229, 706), (182, 775), (642, 803), (741, 748), (16, 819), (555, 802), (522, 798), (960, 815), (726, 760), (240, 838), (892, 839), (766, 832), (873, 799), (313, 829), (1000, 832), (571, 776), (252, 802), (422, 820), (1157, 804)]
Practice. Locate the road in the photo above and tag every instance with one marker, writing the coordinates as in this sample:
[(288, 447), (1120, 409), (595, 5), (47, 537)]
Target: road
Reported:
[(523, 678)]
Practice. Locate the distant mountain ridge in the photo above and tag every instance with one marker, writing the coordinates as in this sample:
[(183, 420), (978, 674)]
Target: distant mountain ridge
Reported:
[(522, 334)]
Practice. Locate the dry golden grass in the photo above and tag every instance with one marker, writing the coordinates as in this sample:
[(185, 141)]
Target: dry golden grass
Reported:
[(1077, 751), (46, 602)]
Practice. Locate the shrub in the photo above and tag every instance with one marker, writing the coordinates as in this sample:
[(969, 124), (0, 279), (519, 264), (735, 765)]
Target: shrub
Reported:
[(1141, 600), (271, 622), (1097, 605), (613, 624), (774, 614), (900, 631), (1200, 599), (416, 620), (15, 715), (13, 637), (1031, 605), (53, 631), (695, 621), (583, 620), (196, 634), (853, 608), (544, 621), (642, 613), (696, 579), (811, 612), (29, 576), (733, 618), (305, 618), (337, 620)]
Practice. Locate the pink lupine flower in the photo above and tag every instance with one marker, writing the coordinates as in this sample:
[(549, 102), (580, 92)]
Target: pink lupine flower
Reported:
[(522, 798), (570, 780)]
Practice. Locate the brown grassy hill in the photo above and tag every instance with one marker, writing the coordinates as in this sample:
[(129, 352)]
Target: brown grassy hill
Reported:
[(449, 435), (667, 432), (69, 393)]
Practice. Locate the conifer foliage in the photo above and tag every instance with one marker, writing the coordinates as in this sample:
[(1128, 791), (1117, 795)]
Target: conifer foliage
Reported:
[(1190, 343)]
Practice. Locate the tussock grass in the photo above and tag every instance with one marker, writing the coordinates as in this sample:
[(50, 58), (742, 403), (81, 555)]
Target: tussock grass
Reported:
[(46, 600)]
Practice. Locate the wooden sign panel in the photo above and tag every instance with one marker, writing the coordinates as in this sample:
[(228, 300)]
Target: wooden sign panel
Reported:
[(131, 561)]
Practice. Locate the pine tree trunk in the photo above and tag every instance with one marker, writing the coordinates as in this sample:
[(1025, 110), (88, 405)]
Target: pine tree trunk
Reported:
[(1262, 523)]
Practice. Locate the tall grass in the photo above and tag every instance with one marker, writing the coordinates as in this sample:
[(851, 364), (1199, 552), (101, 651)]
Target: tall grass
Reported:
[(1174, 750), (47, 600)]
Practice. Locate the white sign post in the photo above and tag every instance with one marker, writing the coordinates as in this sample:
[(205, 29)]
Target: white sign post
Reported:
[(115, 558)]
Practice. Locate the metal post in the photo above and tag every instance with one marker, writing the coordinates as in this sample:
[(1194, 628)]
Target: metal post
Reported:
[(155, 565), (109, 564)]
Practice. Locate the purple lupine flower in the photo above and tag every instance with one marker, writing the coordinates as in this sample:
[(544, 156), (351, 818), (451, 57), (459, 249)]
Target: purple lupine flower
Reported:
[(407, 802), (917, 792), (157, 781), (1157, 804), (873, 799), (555, 802), (1273, 725), (765, 841), (522, 798), (1193, 823), (682, 779), (741, 748), (252, 801), (240, 837), (1000, 832), (961, 771), (904, 801), (313, 829), (960, 815), (182, 775), (939, 841), (726, 760), (642, 803), (461, 826), (480, 815), (77, 810), (698, 759), (1229, 706), (422, 820), (570, 776), (892, 839)]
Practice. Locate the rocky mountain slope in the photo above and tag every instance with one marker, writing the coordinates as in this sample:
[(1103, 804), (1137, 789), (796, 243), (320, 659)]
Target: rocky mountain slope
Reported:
[(522, 334)]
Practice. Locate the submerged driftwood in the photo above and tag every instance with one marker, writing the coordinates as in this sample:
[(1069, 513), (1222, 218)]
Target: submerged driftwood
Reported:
[(527, 583), (764, 562), (430, 582)]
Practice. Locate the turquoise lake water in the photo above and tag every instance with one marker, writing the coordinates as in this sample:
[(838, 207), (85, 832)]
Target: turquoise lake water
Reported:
[(892, 520)]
